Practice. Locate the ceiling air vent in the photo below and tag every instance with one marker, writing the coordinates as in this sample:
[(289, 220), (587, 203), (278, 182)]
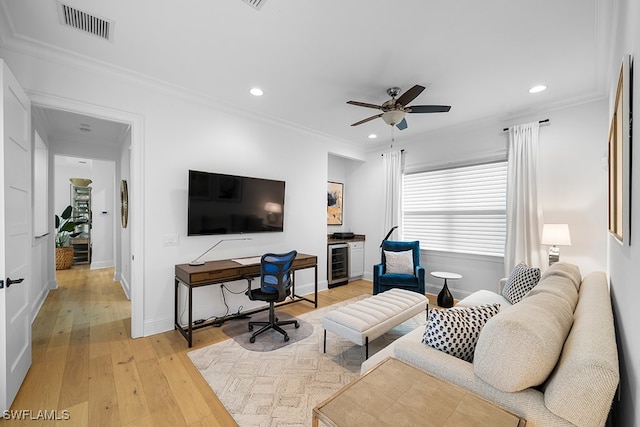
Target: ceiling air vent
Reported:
[(86, 22), (256, 4)]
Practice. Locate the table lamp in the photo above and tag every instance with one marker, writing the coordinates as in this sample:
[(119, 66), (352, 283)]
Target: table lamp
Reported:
[(555, 235)]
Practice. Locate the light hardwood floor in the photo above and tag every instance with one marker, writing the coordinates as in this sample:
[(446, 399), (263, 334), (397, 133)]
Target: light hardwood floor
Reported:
[(85, 362)]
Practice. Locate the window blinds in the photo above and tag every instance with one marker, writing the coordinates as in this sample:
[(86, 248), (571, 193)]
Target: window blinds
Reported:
[(460, 209)]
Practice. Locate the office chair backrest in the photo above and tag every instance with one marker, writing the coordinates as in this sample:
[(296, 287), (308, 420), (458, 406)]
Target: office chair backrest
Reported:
[(275, 274)]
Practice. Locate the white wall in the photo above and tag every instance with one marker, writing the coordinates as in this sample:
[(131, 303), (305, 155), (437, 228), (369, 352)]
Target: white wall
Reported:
[(103, 203), (123, 235), (181, 133), (337, 172), (624, 260), (340, 170), (42, 249), (573, 188)]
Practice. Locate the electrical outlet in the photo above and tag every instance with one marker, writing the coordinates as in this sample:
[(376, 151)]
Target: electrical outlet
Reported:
[(170, 240)]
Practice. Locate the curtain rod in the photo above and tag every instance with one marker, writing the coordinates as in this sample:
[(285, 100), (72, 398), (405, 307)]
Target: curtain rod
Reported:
[(402, 151), (541, 121)]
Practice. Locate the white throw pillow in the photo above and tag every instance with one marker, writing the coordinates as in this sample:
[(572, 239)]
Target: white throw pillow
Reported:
[(399, 262), (521, 280), (455, 331)]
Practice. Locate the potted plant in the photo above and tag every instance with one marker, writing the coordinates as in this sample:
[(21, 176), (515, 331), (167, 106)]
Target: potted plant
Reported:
[(65, 228)]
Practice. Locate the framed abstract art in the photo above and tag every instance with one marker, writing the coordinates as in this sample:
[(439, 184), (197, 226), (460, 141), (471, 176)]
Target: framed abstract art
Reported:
[(335, 202), (620, 157)]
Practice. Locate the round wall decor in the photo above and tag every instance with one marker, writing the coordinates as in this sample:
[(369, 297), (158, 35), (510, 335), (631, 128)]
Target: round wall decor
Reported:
[(124, 203)]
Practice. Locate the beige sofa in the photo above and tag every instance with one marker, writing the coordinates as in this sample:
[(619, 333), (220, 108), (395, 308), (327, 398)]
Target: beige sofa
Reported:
[(551, 358)]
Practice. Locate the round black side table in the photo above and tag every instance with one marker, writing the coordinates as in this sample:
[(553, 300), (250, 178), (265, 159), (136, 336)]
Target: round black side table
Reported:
[(445, 299)]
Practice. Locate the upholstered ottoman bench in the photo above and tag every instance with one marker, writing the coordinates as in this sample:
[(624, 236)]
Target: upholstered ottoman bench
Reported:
[(371, 317)]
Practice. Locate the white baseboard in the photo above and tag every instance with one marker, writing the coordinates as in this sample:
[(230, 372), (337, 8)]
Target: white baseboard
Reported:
[(125, 287), (101, 264)]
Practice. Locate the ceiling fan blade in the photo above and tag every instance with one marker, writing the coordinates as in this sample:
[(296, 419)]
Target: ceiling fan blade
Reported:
[(364, 104), (428, 109), (410, 95), (368, 119), (402, 125)]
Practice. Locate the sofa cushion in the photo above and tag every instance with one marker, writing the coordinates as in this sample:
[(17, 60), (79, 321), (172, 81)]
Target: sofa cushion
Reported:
[(455, 331), (482, 297), (521, 280), (400, 262), (583, 385), (559, 286), (566, 270), (519, 347)]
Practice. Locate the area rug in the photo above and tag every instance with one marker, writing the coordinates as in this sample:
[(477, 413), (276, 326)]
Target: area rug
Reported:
[(281, 387)]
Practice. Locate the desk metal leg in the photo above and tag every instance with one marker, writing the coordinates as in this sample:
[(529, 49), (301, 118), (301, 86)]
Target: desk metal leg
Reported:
[(190, 333), (315, 288)]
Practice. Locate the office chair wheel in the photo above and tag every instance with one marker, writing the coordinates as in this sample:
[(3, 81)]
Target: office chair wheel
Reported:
[(251, 328), (297, 325), (252, 340), (286, 338)]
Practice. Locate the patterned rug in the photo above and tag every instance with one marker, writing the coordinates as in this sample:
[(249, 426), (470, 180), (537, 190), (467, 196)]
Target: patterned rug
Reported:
[(281, 387)]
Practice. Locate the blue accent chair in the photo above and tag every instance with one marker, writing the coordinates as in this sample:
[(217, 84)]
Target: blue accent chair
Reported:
[(383, 281), (275, 286)]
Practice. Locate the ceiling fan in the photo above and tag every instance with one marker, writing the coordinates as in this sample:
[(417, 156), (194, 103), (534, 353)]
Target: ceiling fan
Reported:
[(393, 110)]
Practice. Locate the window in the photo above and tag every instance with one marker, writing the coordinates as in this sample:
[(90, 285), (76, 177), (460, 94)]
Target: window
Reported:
[(461, 209)]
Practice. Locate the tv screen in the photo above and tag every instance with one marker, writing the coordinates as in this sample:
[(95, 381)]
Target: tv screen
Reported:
[(230, 204)]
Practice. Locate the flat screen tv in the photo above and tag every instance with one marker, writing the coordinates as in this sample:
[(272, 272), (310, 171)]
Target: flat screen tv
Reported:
[(230, 204)]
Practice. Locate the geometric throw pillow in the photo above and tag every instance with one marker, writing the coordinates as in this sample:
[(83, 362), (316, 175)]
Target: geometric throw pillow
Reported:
[(521, 280), (400, 262), (455, 331)]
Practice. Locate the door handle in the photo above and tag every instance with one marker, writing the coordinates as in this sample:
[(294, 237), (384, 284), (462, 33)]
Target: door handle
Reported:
[(14, 282)]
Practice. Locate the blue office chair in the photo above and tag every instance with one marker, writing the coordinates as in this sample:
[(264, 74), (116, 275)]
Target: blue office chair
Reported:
[(411, 280), (275, 286)]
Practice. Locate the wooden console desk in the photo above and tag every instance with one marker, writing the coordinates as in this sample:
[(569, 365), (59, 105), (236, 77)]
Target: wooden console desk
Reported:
[(227, 270)]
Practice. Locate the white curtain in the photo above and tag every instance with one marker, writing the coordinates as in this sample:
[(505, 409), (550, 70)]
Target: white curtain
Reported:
[(524, 218), (392, 163)]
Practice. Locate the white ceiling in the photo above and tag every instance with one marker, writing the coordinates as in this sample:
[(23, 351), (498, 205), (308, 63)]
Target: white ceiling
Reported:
[(310, 57), (67, 126)]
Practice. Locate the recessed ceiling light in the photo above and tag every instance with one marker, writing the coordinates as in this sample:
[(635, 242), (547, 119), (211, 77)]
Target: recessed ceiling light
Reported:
[(256, 92), (373, 136), (537, 89)]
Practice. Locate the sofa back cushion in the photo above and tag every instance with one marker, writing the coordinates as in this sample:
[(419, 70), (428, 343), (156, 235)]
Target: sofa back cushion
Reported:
[(519, 347), (566, 270), (584, 382)]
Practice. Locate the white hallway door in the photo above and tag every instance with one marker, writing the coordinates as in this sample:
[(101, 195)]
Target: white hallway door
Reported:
[(15, 237)]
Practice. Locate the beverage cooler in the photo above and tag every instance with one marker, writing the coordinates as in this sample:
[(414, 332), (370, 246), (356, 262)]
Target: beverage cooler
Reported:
[(338, 263)]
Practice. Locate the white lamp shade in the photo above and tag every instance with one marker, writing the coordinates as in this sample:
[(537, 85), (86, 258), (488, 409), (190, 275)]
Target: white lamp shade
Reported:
[(556, 234), (393, 117)]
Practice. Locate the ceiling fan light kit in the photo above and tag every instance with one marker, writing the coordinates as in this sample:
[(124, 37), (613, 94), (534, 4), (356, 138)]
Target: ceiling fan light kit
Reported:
[(393, 117), (394, 110)]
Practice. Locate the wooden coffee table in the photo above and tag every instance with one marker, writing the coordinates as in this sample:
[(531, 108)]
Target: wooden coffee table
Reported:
[(396, 394)]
